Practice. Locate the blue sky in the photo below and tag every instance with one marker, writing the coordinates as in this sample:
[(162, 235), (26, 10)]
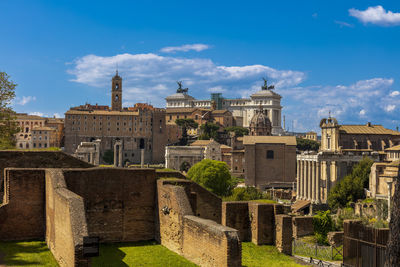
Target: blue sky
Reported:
[(341, 56)]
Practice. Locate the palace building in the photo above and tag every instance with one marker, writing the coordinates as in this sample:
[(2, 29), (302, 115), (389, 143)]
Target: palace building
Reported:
[(342, 146), (138, 127), (242, 109)]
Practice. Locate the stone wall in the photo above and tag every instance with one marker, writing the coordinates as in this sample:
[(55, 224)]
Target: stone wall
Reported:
[(65, 221), (119, 203), (203, 241), (302, 226), (235, 214), (284, 233), (22, 211)]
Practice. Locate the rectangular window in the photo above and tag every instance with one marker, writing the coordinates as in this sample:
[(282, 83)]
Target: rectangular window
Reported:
[(270, 154)]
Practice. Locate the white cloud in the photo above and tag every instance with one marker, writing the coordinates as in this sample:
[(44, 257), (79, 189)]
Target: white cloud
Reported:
[(394, 93), (390, 108), (376, 15), (216, 89), (344, 24), (362, 112), (185, 48), (24, 100), (37, 113), (151, 77)]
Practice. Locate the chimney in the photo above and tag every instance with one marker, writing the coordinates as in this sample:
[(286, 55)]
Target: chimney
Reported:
[(369, 124)]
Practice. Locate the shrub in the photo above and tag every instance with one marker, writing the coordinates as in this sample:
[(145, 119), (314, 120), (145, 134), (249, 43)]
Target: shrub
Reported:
[(323, 224), (245, 194), (213, 175)]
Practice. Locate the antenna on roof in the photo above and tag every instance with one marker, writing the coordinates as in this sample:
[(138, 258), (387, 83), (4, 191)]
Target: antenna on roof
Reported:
[(329, 114), (117, 69)]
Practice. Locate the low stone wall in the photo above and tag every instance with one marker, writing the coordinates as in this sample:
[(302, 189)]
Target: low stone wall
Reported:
[(302, 226), (203, 241), (170, 174), (262, 223), (65, 221), (22, 210), (235, 214), (284, 233), (207, 243)]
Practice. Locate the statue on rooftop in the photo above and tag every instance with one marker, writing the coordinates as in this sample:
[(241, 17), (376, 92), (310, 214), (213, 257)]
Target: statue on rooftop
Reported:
[(180, 89), (265, 86)]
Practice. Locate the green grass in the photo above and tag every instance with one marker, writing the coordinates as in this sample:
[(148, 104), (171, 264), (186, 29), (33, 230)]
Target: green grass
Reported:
[(148, 253), (323, 252), (258, 256), (32, 253), (268, 201)]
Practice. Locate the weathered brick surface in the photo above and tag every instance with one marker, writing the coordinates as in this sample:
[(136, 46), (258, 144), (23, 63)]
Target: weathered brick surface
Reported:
[(207, 243), (65, 221), (119, 203), (262, 223), (284, 233), (235, 214), (302, 226), (22, 211)]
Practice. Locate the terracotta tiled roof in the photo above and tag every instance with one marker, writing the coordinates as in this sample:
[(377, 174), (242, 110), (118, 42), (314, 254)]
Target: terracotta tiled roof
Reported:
[(201, 142), (251, 140), (180, 110), (24, 116), (223, 111), (366, 129), (101, 112)]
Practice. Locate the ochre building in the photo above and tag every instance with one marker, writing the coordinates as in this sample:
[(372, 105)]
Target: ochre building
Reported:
[(139, 127)]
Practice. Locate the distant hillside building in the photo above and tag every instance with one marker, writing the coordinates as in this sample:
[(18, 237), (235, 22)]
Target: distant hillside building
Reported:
[(39, 132), (342, 146), (242, 109), (138, 127)]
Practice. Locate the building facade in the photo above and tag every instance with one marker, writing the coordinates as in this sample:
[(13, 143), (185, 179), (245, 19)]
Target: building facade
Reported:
[(270, 161), (138, 127), (242, 109), (342, 146)]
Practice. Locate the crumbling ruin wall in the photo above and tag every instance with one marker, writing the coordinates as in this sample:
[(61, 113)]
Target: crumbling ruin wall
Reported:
[(203, 241), (262, 223), (65, 221), (119, 203), (284, 233), (36, 159), (22, 211), (302, 226), (235, 214)]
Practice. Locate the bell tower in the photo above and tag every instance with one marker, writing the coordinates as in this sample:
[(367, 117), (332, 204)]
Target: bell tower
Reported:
[(116, 93)]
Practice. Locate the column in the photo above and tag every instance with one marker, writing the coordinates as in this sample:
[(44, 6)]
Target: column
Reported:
[(300, 174), (389, 186), (317, 180), (328, 178), (298, 178), (313, 181), (309, 179), (305, 179)]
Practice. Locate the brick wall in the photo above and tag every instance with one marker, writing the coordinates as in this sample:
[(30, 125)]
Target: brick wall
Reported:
[(302, 226), (284, 233), (119, 203), (235, 214), (65, 221), (22, 211), (262, 223)]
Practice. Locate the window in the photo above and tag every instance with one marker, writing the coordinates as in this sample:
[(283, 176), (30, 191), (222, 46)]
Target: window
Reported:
[(270, 154), (34, 144), (45, 145)]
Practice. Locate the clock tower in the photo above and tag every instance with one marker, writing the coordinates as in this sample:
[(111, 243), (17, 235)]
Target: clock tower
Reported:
[(116, 93)]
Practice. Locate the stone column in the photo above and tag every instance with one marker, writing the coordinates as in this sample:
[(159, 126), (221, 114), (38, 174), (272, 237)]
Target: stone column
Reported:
[(309, 179), (298, 179), (317, 180), (301, 192), (313, 178), (142, 158), (389, 186), (328, 178), (305, 179)]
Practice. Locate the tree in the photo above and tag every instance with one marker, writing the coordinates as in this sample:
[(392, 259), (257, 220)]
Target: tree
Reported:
[(209, 130), (246, 193), (323, 224), (8, 124), (186, 124), (213, 175), (108, 156), (239, 131), (351, 188), (307, 145)]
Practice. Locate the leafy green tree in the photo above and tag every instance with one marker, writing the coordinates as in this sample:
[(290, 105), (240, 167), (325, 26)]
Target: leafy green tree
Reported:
[(8, 124), (209, 130), (307, 145), (213, 175), (323, 224), (245, 193), (239, 131), (185, 124), (108, 156), (351, 188)]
